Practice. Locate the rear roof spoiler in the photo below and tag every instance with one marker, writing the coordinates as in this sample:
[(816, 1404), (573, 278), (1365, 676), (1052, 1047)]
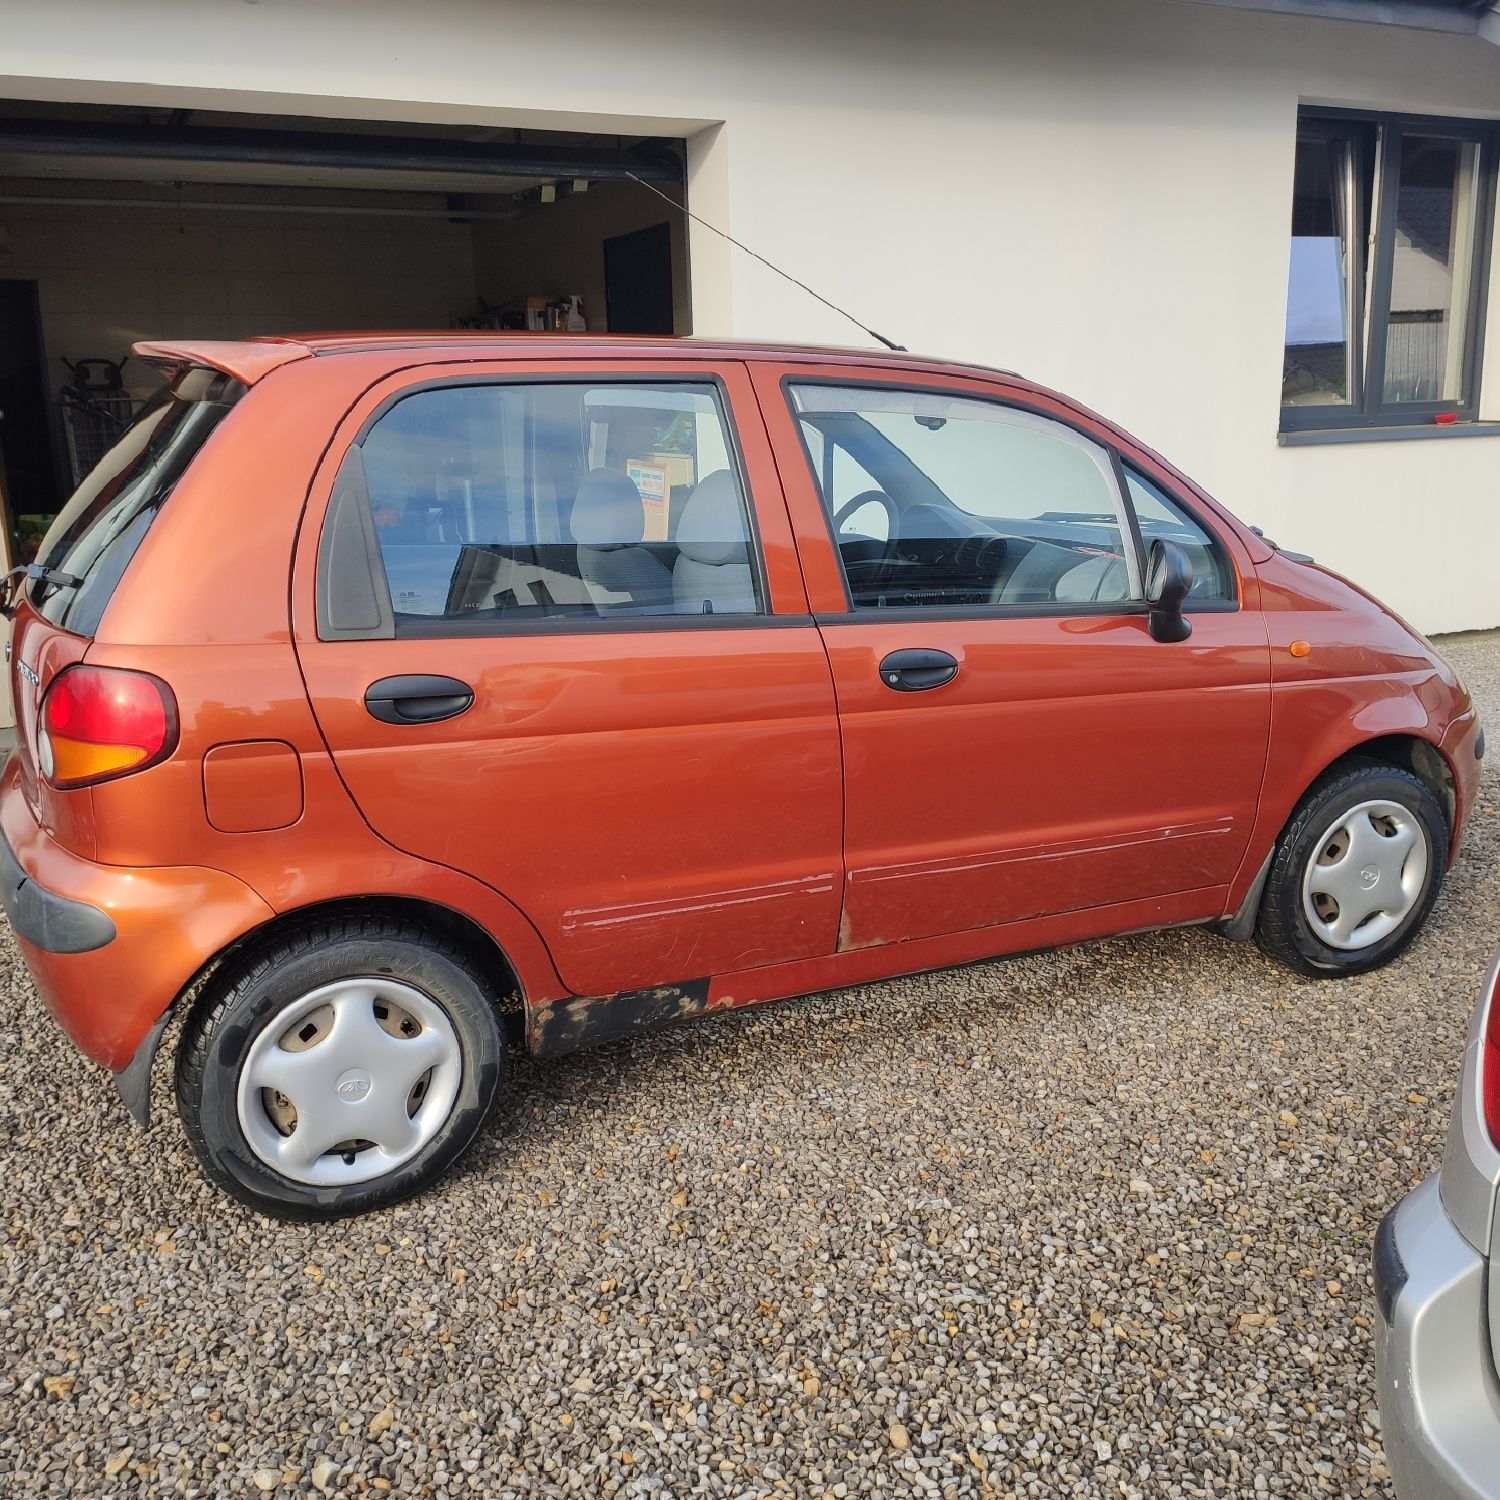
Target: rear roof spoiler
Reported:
[(246, 360)]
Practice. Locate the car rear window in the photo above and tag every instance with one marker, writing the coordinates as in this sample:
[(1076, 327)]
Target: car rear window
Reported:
[(95, 536)]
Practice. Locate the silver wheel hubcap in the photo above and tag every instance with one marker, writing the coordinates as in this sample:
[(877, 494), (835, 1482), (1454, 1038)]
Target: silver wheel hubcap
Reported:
[(1367, 872), (349, 1082)]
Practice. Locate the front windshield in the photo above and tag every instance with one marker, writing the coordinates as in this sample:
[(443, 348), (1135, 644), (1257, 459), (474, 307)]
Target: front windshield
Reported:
[(998, 463), (1040, 477)]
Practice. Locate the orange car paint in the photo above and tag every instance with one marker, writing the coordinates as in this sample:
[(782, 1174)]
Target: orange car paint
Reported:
[(252, 786), (1077, 779)]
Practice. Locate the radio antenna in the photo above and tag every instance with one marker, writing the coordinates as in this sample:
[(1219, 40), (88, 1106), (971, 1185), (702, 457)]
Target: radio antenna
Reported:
[(785, 275)]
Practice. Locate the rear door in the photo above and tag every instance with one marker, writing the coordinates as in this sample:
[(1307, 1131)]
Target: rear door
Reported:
[(1016, 744), (627, 725)]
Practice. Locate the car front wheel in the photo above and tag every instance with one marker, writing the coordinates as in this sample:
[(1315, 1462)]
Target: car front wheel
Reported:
[(1355, 873), (342, 1069)]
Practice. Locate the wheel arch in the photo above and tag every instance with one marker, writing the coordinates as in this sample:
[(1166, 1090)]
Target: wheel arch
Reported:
[(480, 946), (1407, 749), (1410, 752)]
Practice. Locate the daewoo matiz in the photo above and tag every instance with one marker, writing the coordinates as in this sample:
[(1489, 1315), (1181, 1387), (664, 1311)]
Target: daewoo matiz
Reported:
[(385, 702)]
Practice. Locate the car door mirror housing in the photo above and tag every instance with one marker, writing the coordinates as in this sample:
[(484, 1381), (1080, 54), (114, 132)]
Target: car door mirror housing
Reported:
[(1169, 580)]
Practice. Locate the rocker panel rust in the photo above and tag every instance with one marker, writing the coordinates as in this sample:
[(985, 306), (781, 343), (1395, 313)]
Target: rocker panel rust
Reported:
[(579, 1021)]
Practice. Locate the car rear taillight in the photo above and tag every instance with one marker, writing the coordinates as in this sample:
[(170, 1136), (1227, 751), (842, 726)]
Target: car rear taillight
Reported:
[(1489, 1060), (100, 722)]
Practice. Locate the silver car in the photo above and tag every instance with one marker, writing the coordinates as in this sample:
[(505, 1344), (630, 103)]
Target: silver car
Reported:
[(1437, 1290)]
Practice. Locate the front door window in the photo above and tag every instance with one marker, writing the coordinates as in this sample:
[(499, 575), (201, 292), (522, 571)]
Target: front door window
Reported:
[(966, 502)]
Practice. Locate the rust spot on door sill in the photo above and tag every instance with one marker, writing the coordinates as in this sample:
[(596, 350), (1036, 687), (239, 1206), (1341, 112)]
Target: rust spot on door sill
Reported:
[(846, 937), (580, 1021)]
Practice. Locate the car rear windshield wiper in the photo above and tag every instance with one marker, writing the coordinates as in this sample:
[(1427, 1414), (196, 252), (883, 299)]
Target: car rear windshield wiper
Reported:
[(10, 583)]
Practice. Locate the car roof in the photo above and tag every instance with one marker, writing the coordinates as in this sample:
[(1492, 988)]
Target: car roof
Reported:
[(249, 360)]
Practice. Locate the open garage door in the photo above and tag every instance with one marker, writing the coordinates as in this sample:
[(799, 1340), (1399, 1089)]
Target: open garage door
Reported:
[(118, 225)]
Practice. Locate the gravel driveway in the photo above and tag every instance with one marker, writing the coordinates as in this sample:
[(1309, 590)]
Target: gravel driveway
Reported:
[(1094, 1223)]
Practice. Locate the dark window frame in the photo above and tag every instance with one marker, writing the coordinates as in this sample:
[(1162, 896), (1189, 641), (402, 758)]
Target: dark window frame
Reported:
[(1374, 138), (440, 627), (1119, 463)]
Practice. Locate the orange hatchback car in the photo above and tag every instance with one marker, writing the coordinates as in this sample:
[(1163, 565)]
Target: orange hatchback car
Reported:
[(387, 702)]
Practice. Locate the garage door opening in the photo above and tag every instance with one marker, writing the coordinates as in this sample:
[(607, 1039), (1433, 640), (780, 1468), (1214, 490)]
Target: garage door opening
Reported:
[(120, 224)]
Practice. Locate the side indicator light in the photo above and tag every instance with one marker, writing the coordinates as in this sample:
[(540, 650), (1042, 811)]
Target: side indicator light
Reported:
[(1300, 648)]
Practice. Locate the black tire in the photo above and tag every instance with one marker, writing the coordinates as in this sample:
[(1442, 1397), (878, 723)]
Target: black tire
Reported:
[(1283, 929), (238, 1006)]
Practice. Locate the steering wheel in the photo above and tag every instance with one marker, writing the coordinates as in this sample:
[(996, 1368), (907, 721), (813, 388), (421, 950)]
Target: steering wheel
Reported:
[(879, 497), (868, 575)]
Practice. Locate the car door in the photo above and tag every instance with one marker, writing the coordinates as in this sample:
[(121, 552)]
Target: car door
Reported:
[(1016, 744), (554, 632)]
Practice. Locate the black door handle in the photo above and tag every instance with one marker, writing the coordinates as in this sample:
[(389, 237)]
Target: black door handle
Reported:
[(417, 699), (914, 670)]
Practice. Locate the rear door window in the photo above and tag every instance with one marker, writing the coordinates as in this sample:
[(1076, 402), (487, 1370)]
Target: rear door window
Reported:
[(477, 508), (96, 534)]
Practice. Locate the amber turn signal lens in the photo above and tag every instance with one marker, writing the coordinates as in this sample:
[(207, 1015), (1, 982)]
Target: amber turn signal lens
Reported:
[(101, 722), (1299, 648)]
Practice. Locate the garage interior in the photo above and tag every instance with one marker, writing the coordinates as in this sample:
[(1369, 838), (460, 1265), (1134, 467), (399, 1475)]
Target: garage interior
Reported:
[(121, 224)]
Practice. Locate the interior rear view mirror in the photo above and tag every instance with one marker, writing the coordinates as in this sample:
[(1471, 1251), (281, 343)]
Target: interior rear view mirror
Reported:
[(1169, 579)]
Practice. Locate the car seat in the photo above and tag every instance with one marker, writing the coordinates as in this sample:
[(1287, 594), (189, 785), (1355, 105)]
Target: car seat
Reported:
[(608, 523), (712, 574)]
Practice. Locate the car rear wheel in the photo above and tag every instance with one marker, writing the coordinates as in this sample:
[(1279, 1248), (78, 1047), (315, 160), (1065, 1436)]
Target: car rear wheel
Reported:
[(1355, 873), (341, 1069)]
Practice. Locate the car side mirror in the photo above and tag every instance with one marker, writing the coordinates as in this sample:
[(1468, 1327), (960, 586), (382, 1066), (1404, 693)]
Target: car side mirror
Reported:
[(1169, 579)]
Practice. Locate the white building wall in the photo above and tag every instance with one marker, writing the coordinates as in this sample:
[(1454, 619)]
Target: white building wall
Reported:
[(1096, 193)]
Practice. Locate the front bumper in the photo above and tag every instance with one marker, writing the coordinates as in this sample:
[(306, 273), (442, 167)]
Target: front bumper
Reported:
[(1435, 1379), (163, 924), (1463, 747)]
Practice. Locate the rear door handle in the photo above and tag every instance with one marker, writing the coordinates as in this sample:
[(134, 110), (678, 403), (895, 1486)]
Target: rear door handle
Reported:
[(916, 669), (417, 699)]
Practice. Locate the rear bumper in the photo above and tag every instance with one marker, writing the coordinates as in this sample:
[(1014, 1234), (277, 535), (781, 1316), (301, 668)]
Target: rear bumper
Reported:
[(46, 920), (110, 948), (1435, 1379)]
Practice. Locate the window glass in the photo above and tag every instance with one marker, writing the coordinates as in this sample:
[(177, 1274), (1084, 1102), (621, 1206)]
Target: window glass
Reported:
[(1316, 369), (1158, 515), (1437, 186), (1390, 218), (856, 492), (870, 518), (503, 503), (97, 533), (981, 503), (844, 478)]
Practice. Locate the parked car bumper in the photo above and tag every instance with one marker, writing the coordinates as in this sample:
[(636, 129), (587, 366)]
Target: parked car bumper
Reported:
[(1463, 746), (1435, 1378), (110, 948)]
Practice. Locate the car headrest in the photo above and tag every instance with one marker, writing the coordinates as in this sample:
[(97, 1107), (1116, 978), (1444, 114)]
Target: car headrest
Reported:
[(712, 526), (607, 511), (1100, 577)]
